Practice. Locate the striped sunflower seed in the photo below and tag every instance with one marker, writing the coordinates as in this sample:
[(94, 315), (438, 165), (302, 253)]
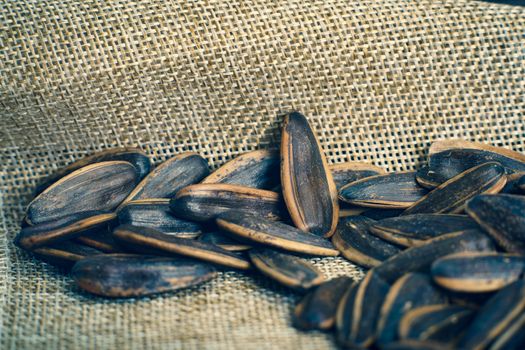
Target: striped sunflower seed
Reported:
[(274, 234), (64, 254), (152, 242), (309, 191), (390, 191), (345, 173), (224, 241), (286, 269), (96, 187), (318, 308), (256, 169), (477, 272), (127, 275), (451, 196)]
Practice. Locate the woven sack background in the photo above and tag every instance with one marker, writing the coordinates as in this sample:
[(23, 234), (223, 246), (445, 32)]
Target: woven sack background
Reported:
[(379, 80)]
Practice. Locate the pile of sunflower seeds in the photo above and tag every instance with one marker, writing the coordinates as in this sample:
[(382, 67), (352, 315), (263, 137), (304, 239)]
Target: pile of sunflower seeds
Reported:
[(445, 246)]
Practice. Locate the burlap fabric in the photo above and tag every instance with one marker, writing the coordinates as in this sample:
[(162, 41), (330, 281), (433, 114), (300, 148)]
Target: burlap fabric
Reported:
[(378, 80)]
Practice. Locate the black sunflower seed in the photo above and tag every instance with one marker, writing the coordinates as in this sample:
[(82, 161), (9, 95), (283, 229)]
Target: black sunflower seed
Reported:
[(477, 272), (356, 244), (257, 169), (318, 308), (421, 257), (224, 241), (286, 269), (171, 176), (205, 202), (275, 234), (64, 254), (132, 155), (502, 216), (442, 322), (62, 229), (307, 185), (100, 186), (451, 196), (390, 191), (413, 230), (149, 241), (156, 214), (358, 311), (126, 275), (410, 291)]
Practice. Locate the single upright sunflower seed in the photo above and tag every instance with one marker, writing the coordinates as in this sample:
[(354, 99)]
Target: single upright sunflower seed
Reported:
[(62, 229), (345, 173), (414, 230), (502, 216), (390, 191), (171, 176), (309, 191), (253, 228), (451, 196), (257, 169), (355, 243), (127, 275), (286, 269), (224, 241), (495, 316), (477, 272), (153, 242), (420, 258), (100, 186), (410, 291), (156, 214), (132, 155), (205, 202), (440, 322), (318, 308), (64, 254), (358, 311)]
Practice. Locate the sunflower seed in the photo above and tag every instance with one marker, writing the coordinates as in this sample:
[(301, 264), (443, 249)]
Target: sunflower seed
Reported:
[(356, 244), (358, 311), (409, 292), (150, 241), (496, 315), (318, 308), (477, 272), (286, 269), (135, 156), (446, 145), (307, 185), (275, 234), (503, 217), (171, 176), (62, 229), (224, 241), (99, 186), (126, 275), (450, 197), (156, 214), (447, 164), (204, 202), (420, 258), (257, 169), (390, 191), (64, 254), (513, 337), (345, 173), (441, 323), (414, 230)]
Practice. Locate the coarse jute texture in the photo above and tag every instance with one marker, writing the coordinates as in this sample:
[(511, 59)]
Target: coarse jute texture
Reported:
[(377, 79)]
